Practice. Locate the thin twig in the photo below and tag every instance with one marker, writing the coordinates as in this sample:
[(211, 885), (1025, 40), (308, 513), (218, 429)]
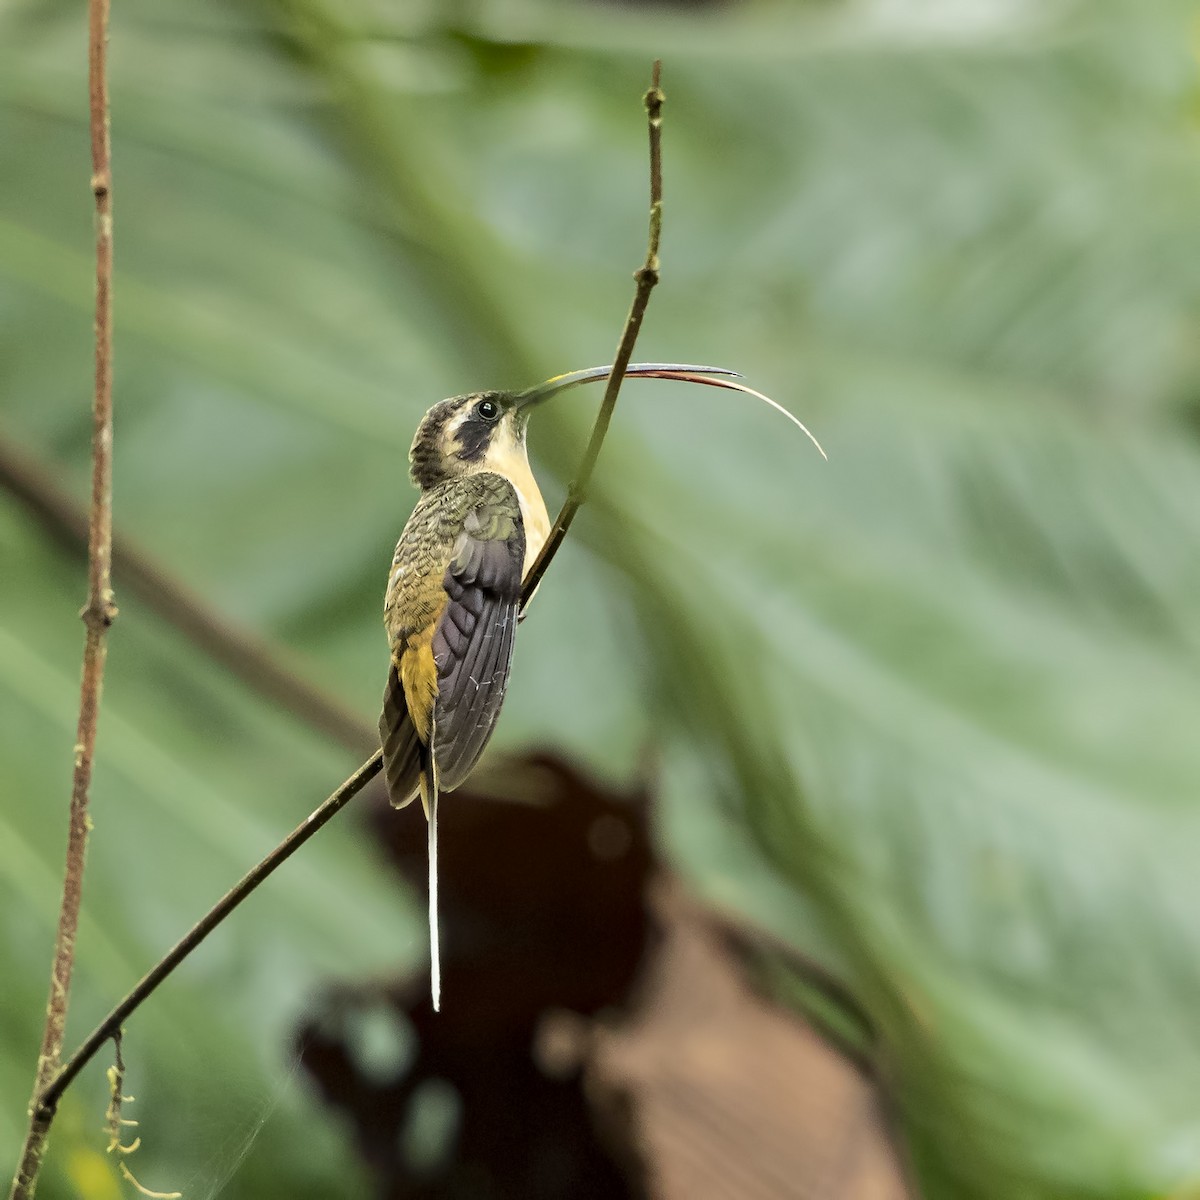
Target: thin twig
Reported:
[(98, 614), (111, 1024), (253, 660), (647, 277), (116, 1123)]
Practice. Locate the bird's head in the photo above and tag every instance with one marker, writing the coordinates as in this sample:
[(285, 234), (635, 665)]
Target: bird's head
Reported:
[(464, 434), (484, 431)]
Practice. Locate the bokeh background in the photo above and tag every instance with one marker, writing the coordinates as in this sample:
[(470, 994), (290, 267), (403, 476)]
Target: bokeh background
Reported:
[(928, 712)]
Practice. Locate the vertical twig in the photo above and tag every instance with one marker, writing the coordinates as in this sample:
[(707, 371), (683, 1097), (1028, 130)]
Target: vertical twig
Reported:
[(98, 615), (646, 276)]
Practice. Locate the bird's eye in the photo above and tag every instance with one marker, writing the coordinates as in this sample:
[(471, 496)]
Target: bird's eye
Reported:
[(487, 410)]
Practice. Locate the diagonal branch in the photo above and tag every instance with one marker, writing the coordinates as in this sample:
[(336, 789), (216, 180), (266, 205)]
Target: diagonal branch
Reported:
[(110, 1027), (647, 277), (98, 614)]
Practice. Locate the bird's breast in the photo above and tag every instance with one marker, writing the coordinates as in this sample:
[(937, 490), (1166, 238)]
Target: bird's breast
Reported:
[(536, 520), (512, 463)]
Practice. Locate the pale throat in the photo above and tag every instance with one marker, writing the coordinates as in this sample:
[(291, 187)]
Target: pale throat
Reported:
[(508, 458)]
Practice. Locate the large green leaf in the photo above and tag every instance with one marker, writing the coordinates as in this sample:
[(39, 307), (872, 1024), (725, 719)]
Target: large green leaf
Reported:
[(928, 709)]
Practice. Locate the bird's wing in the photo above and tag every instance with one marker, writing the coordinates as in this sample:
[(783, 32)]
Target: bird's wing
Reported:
[(473, 641), (451, 613)]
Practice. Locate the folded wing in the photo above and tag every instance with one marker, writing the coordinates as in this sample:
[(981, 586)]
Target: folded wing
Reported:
[(464, 641)]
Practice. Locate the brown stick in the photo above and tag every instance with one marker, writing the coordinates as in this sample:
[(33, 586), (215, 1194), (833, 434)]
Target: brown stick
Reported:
[(98, 614), (647, 276)]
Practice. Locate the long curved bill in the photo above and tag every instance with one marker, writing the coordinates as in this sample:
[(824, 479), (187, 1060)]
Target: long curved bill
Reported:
[(720, 377), (689, 372)]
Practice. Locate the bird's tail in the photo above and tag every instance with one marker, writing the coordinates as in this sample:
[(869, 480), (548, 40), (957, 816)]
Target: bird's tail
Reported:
[(429, 799), (401, 745)]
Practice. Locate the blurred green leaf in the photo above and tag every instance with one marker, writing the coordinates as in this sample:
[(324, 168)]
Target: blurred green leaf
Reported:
[(928, 709)]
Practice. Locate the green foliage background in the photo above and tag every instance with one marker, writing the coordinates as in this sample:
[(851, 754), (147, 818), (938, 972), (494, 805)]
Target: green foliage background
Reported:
[(931, 710)]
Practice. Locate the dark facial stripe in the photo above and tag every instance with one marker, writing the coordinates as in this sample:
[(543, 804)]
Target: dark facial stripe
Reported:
[(474, 434)]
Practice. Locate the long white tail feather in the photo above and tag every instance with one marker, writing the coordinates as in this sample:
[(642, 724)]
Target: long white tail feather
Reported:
[(435, 955), (429, 799)]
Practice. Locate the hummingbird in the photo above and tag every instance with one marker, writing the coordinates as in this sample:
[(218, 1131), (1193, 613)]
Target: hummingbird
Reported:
[(454, 591)]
